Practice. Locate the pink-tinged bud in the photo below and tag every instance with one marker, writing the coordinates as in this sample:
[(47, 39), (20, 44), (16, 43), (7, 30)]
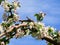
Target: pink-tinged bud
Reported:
[(2, 43)]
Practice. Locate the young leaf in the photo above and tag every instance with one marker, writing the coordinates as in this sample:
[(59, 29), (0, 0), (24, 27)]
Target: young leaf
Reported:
[(38, 17)]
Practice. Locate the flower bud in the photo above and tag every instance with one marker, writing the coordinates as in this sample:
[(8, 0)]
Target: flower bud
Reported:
[(2, 43)]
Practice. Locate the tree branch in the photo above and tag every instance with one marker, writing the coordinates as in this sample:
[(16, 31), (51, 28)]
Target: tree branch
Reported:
[(28, 20), (11, 29), (47, 38), (50, 39)]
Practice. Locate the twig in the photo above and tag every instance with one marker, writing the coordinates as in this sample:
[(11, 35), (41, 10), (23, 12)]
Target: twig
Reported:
[(11, 29)]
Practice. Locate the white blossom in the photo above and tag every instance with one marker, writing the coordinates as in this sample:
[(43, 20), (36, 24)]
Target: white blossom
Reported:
[(19, 30), (6, 8), (45, 30), (10, 20), (1, 29), (20, 33), (42, 14), (2, 43), (31, 24), (31, 27), (52, 28), (27, 32), (15, 17), (24, 22), (5, 5), (15, 4), (40, 23)]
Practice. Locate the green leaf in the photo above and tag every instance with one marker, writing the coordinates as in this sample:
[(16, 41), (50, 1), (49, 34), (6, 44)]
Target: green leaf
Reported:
[(38, 17), (3, 39), (7, 42), (49, 44), (36, 14), (4, 24), (9, 24), (50, 30)]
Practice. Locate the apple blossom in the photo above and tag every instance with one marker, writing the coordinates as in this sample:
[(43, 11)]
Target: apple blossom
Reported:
[(2, 43), (42, 14), (16, 4), (15, 17)]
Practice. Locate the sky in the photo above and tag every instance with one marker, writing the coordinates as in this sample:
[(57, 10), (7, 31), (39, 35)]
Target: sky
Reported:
[(29, 8)]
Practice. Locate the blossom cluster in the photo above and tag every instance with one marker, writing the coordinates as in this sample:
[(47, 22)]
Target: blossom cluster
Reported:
[(7, 6), (35, 29), (10, 10), (10, 17)]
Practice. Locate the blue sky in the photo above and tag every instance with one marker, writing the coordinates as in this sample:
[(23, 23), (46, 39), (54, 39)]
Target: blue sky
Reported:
[(29, 8)]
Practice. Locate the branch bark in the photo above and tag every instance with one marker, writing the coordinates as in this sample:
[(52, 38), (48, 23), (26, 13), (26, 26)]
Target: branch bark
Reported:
[(11, 29), (47, 38)]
